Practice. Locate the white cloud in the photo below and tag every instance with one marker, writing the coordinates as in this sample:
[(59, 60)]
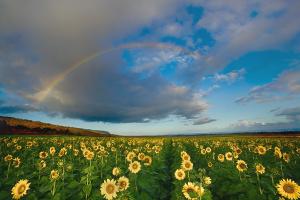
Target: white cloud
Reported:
[(286, 86)]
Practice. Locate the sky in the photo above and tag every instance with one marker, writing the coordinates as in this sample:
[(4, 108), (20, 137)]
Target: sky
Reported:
[(139, 67)]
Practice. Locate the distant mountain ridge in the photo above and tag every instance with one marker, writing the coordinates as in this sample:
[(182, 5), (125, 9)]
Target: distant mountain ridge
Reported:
[(15, 126)]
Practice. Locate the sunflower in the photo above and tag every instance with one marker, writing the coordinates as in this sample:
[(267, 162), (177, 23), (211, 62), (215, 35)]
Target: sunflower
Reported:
[(109, 189), (183, 153), (209, 164), (288, 189), (261, 150), (192, 191), (52, 151), (130, 156), (16, 162), (179, 174), (134, 167), (20, 189), (286, 157), (203, 151), (43, 155), (54, 175), (116, 171), (208, 149), (62, 152), (207, 180), (8, 158), (221, 157), (186, 157), (278, 153), (147, 160), (260, 169), (41, 164), (241, 165), (187, 165), (228, 156), (141, 156), (89, 155), (123, 183)]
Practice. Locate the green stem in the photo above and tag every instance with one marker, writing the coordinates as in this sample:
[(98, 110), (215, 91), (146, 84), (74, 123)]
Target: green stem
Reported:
[(8, 168), (258, 180)]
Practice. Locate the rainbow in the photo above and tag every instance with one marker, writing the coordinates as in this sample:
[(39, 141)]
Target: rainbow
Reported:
[(44, 92)]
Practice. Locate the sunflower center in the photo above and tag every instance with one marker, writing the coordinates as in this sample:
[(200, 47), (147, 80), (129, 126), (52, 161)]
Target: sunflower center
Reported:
[(21, 189), (123, 184), (110, 189), (242, 166), (288, 188), (134, 166)]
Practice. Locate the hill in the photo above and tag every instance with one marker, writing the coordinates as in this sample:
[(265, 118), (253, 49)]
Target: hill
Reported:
[(14, 126)]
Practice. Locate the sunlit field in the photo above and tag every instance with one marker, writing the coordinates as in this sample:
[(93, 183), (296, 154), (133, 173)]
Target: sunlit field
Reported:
[(150, 168)]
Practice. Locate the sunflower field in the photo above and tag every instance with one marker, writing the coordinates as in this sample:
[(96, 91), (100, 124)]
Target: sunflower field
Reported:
[(142, 168)]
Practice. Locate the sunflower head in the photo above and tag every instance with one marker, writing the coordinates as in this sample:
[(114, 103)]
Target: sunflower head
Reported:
[(260, 169), (54, 175), (20, 189), (221, 157), (123, 183), (179, 174), (116, 171), (134, 167), (109, 189), (147, 160), (187, 165), (288, 189), (241, 165)]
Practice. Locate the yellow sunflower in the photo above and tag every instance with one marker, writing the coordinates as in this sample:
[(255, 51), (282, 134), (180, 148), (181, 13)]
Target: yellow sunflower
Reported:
[(54, 175), (208, 149), (179, 174), (209, 164), (20, 189), (228, 156), (52, 151), (116, 171), (130, 156), (43, 155), (123, 183), (141, 156), (109, 189), (286, 157), (207, 180), (221, 157), (203, 151), (147, 160), (261, 150), (288, 189), (187, 165), (260, 169), (241, 165), (16, 162), (8, 158), (192, 191), (134, 167)]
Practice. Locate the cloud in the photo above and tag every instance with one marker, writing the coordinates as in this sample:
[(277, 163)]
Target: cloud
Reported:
[(39, 40), (10, 109), (237, 32), (286, 86), (292, 122), (230, 77), (291, 114), (204, 120)]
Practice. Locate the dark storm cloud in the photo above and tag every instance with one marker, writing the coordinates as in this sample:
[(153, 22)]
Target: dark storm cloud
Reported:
[(40, 39), (112, 95), (10, 109)]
